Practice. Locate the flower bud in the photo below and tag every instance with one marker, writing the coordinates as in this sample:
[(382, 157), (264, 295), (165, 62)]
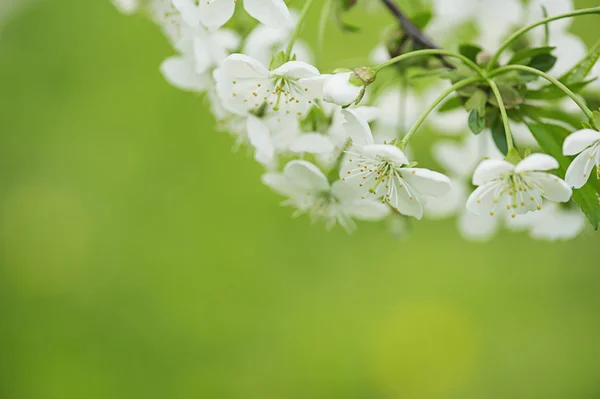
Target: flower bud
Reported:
[(342, 88)]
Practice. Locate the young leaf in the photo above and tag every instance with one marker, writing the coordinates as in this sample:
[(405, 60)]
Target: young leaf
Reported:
[(450, 105), (552, 92), (543, 62), (499, 135), (477, 102), (524, 57), (476, 122), (510, 96), (596, 118), (550, 138), (422, 19), (579, 72), (470, 51)]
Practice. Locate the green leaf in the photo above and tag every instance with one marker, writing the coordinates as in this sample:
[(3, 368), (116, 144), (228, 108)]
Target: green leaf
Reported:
[(510, 96), (550, 138), (596, 119), (451, 104), (554, 93), (422, 19), (499, 135), (476, 122), (543, 62), (277, 60), (477, 102), (546, 112), (470, 51), (582, 69), (524, 57)]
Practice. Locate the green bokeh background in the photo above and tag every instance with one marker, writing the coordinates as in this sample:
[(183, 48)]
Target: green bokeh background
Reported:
[(141, 258)]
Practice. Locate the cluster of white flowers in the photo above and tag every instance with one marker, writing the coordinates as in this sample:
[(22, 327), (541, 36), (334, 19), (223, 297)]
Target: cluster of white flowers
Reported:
[(339, 161)]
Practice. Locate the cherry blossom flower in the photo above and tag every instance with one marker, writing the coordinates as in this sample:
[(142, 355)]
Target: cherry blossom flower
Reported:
[(519, 188), (384, 172), (215, 13), (244, 84), (309, 191), (586, 143)]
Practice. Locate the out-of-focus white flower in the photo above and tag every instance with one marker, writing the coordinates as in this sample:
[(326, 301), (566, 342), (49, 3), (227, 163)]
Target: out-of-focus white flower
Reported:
[(554, 222), (264, 41), (342, 88), (519, 188), (309, 192), (215, 13), (180, 71), (384, 172), (244, 84), (586, 143), (271, 135), (127, 6), (494, 19)]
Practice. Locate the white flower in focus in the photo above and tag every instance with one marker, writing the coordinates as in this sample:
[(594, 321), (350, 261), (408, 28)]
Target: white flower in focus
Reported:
[(586, 143), (244, 84), (215, 13), (554, 222), (519, 188), (383, 171), (309, 192), (341, 88)]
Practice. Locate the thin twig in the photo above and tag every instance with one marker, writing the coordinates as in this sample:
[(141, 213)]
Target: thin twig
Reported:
[(412, 31)]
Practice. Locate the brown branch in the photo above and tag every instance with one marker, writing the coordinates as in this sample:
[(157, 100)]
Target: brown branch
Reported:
[(412, 31)]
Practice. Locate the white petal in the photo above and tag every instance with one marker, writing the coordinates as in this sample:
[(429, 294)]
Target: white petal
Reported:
[(314, 143), (268, 12), (260, 139), (357, 127), (555, 188), (580, 140), (306, 175), (189, 11), (580, 169), (180, 72), (427, 182), (482, 201), (338, 89), (214, 13), (227, 39), (477, 228), (388, 152), (536, 162), (296, 70), (569, 50), (280, 184), (448, 205), (243, 67), (405, 201), (369, 210), (126, 6), (489, 170)]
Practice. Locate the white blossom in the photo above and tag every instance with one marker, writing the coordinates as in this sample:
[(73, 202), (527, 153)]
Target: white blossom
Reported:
[(215, 13), (309, 191), (553, 223), (244, 84), (339, 89), (383, 171), (519, 188), (586, 143)]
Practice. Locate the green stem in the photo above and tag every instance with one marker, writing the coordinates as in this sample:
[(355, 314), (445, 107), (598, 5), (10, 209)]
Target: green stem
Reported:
[(446, 93), (322, 26), (296, 32), (549, 78), (418, 53), (507, 130), (522, 31)]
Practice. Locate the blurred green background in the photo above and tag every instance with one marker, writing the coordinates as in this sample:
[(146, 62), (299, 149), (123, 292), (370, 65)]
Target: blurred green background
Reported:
[(141, 258)]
